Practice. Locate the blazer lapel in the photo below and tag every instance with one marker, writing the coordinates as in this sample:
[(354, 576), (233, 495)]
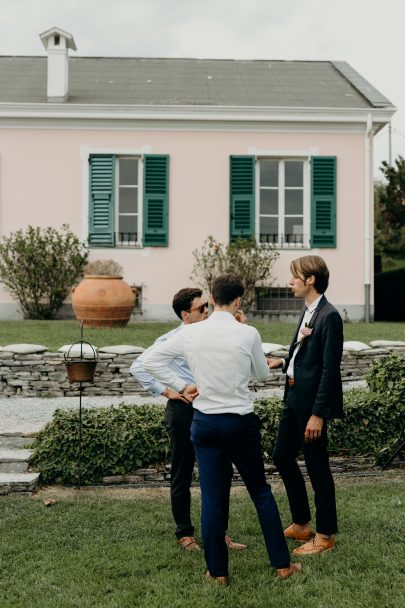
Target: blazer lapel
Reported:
[(292, 345)]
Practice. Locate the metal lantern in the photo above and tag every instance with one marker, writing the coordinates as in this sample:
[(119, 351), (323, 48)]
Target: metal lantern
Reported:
[(80, 368)]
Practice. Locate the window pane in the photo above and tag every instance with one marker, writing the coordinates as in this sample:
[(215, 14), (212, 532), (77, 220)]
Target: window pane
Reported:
[(269, 202), (294, 173), (294, 204), (269, 173), (269, 226), (128, 202), (128, 170), (127, 223), (293, 228)]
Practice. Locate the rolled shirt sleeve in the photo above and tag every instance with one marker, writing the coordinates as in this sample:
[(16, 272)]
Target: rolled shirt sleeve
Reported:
[(156, 361)]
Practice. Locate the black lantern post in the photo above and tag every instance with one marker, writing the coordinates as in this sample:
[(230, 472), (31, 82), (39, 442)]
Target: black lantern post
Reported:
[(80, 368)]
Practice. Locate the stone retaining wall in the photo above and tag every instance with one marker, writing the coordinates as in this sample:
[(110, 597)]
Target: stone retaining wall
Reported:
[(44, 374)]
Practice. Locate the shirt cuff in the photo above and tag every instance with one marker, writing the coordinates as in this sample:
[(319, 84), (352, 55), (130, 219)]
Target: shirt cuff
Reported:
[(157, 388)]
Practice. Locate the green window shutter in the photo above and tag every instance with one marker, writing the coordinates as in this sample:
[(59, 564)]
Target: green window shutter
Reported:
[(156, 200), (101, 224), (323, 201), (242, 197)]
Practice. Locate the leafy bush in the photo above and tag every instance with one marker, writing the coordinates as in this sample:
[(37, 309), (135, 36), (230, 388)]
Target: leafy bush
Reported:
[(387, 377), (249, 261), (118, 440), (38, 267), (115, 441)]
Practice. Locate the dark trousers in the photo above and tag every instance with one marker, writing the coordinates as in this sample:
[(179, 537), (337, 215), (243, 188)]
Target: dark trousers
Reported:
[(218, 439), (178, 418), (290, 441)]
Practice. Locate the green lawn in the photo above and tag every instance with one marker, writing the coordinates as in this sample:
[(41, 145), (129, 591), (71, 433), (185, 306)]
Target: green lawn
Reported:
[(115, 549), (54, 334)]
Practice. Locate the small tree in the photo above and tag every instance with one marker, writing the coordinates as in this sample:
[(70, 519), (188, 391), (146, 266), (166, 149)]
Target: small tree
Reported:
[(38, 267), (390, 209), (249, 261)]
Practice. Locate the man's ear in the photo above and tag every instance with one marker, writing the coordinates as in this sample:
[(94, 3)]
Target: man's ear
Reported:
[(311, 280), (212, 301), (184, 315)]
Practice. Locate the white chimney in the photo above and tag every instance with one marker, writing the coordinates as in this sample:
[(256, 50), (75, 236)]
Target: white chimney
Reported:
[(56, 43)]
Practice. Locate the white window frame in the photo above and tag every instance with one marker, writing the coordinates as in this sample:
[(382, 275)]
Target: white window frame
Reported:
[(281, 199), (119, 157)]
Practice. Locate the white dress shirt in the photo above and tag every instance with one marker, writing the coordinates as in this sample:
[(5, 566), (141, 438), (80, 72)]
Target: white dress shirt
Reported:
[(306, 319), (222, 354)]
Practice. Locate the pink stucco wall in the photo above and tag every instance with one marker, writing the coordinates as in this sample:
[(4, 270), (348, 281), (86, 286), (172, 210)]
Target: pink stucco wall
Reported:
[(42, 183)]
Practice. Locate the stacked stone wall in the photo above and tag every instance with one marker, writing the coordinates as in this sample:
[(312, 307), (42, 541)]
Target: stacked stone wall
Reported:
[(44, 374)]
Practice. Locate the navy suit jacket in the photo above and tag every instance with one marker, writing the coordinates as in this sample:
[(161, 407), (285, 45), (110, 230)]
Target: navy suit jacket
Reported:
[(318, 383)]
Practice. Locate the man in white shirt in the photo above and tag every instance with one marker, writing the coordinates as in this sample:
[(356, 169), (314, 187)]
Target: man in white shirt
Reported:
[(313, 395), (223, 354)]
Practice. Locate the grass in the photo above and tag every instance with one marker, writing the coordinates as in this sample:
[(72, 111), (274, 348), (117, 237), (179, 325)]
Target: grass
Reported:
[(54, 334), (115, 549)]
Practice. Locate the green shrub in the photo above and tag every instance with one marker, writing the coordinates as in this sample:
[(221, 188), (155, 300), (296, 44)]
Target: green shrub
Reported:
[(38, 267), (115, 441), (387, 377), (118, 440)]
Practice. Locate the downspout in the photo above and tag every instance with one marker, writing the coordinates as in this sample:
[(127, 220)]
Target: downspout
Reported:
[(368, 216)]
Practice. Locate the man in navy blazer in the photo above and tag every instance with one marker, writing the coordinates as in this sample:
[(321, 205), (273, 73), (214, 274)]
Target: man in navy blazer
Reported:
[(313, 395)]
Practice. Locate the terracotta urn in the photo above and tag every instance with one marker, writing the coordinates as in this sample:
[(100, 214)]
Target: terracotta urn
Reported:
[(103, 301)]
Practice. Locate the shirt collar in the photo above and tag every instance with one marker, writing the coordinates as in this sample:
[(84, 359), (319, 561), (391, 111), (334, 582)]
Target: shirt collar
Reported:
[(223, 314), (314, 304)]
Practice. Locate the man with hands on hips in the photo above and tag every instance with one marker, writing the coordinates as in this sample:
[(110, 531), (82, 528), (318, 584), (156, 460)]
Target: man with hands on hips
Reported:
[(313, 395), (190, 306)]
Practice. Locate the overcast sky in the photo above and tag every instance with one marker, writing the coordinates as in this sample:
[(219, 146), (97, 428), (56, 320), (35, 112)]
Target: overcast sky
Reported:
[(368, 34)]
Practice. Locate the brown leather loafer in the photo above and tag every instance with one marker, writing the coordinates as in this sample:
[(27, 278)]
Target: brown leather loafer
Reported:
[(188, 543), (234, 546), (289, 571), (317, 544), (220, 580), (302, 537)]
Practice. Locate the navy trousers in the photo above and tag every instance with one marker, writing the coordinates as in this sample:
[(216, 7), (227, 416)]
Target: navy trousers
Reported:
[(218, 439), (178, 418)]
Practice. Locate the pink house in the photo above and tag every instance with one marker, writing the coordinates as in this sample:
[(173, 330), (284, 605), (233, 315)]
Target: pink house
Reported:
[(144, 158)]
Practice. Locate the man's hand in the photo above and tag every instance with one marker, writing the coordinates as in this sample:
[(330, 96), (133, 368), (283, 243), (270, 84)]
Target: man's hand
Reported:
[(274, 362), (190, 392), (313, 429), (170, 393), (240, 316)]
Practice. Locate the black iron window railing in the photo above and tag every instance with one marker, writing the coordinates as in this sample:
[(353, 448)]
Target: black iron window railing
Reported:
[(277, 300), (285, 240), (126, 239)]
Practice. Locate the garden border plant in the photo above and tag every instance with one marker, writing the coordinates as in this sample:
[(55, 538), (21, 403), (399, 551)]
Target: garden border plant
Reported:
[(118, 440)]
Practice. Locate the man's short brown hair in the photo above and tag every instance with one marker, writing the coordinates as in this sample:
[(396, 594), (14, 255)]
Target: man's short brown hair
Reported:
[(226, 288), (182, 299), (308, 265)]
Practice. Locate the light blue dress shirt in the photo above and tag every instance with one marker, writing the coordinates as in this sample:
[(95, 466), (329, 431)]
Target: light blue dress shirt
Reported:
[(178, 366)]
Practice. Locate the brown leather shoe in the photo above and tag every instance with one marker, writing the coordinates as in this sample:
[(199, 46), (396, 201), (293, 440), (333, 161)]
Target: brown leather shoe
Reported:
[(234, 546), (220, 580), (289, 571), (317, 544), (302, 537), (188, 543)]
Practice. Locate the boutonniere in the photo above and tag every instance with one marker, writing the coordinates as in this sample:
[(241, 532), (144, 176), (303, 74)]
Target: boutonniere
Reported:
[(305, 332)]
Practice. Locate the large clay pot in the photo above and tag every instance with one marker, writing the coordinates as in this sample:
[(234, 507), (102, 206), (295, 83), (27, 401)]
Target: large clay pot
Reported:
[(103, 301)]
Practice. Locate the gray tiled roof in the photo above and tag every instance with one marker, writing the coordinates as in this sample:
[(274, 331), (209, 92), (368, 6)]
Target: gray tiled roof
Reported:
[(193, 82)]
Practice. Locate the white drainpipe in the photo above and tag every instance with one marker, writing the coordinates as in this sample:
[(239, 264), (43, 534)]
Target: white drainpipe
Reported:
[(368, 218)]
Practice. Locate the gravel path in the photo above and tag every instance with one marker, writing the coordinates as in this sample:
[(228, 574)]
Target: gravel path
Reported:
[(29, 415)]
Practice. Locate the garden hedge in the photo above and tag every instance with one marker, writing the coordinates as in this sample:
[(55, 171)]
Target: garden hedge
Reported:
[(118, 440)]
